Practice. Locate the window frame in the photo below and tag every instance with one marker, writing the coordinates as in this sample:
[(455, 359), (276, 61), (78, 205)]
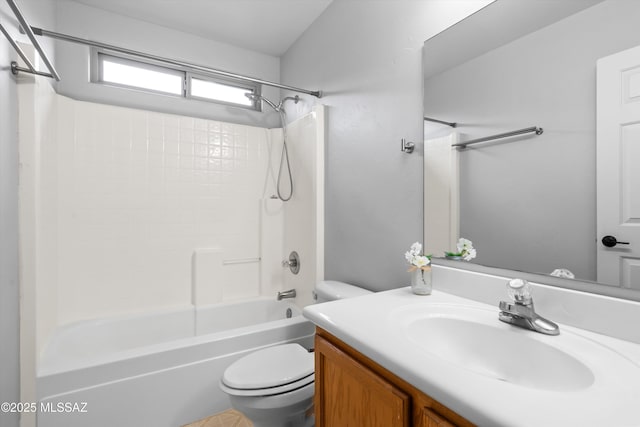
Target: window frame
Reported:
[(97, 56), (97, 69)]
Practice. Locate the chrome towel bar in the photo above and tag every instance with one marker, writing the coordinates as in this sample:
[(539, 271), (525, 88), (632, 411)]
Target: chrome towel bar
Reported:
[(240, 261), (31, 69), (533, 129), (452, 124)]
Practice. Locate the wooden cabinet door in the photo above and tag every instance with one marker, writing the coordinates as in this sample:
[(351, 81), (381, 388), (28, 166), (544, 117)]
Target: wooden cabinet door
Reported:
[(430, 413), (349, 394), (429, 418)]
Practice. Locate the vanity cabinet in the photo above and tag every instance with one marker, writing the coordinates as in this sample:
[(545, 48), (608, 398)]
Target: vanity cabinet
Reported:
[(354, 391)]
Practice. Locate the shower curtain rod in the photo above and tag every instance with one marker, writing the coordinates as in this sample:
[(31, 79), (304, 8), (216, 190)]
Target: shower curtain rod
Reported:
[(72, 39)]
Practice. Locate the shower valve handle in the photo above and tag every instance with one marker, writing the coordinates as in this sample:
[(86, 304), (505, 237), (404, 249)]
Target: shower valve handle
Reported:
[(293, 263)]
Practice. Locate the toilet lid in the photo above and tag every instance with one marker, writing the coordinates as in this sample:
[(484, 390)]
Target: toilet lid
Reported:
[(269, 367)]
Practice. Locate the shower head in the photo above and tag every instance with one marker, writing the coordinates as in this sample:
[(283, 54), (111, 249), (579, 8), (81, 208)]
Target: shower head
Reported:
[(295, 99), (284, 156), (278, 108), (256, 97)]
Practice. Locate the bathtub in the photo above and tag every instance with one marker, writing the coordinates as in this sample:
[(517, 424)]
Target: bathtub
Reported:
[(159, 369)]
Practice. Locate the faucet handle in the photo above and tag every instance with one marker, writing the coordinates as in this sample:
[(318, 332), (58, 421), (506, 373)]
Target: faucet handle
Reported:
[(519, 291), (293, 263)]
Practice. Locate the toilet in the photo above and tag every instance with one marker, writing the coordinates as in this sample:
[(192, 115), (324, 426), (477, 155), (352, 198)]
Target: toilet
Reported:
[(273, 387)]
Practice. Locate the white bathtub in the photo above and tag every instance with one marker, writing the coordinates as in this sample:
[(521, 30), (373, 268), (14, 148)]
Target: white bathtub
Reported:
[(159, 369)]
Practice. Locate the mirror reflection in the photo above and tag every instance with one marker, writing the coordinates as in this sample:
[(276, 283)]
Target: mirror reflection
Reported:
[(538, 202)]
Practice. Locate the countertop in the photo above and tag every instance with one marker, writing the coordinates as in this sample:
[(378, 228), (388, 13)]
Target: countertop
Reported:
[(369, 324)]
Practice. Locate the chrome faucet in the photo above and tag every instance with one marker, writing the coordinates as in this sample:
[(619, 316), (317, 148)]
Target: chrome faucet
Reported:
[(521, 313), (291, 293)]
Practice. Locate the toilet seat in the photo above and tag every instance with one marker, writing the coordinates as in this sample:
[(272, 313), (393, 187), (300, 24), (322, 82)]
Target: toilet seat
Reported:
[(271, 391), (270, 371)]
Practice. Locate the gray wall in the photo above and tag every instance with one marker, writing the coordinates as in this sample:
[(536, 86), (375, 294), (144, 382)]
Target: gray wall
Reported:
[(366, 57), (9, 293), (530, 204)]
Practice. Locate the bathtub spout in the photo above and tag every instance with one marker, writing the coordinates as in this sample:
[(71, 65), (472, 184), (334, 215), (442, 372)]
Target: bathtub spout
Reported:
[(291, 293)]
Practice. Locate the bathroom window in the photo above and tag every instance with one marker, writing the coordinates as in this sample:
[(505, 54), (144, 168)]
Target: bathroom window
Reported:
[(208, 89), (123, 71)]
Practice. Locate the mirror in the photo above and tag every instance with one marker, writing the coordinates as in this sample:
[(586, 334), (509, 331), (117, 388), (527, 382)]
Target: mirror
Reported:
[(528, 202)]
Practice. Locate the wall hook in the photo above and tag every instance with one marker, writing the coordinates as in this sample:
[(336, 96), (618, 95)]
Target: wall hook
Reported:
[(407, 146)]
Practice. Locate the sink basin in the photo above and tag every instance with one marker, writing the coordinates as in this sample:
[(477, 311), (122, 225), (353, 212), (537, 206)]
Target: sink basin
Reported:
[(474, 339)]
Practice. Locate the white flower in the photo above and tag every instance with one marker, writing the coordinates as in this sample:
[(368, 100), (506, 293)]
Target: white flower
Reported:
[(421, 261), (464, 244), (465, 249), (413, 252), (469, 254), (408, 256), (416, 248), (414, 256)]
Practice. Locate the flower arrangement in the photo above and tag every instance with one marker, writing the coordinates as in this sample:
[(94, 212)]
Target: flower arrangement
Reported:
[(465, 250), (416, 259)]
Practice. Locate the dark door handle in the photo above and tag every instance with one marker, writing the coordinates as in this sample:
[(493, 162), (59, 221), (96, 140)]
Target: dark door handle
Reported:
[(610, 241)]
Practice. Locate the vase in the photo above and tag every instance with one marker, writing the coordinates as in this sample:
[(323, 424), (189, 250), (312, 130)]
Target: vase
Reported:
[(421, 281), (454, 257)]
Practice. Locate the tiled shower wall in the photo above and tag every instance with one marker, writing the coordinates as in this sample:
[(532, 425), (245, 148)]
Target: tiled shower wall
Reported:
[(154, 211)]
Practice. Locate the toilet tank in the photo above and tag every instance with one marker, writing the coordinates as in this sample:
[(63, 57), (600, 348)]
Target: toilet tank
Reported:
[(330, 290)]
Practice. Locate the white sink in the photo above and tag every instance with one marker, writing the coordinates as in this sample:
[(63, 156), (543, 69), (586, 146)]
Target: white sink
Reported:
[(474, 339), (494, 374)]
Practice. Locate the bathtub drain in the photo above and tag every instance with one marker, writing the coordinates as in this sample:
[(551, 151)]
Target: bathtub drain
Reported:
[(289, 313)]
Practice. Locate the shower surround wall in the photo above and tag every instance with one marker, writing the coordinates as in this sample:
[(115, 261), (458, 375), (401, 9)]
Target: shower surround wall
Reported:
[(138, 192), (140, 210)]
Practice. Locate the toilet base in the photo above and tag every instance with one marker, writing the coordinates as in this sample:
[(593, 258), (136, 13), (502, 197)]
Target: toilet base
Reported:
[(294, 409)]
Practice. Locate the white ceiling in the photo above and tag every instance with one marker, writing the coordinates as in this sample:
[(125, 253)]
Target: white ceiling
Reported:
[(267, 26)]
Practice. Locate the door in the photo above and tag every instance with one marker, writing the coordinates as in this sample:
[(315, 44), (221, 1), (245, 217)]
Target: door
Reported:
[(618, 169)]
